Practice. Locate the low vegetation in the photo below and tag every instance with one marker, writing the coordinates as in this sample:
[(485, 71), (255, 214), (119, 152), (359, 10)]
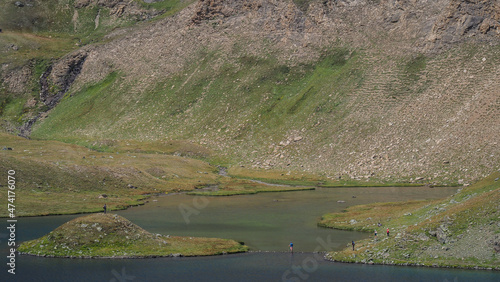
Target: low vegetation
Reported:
[(459, 231), (230, 187), (112, 236), (298, 178), (59, 178)]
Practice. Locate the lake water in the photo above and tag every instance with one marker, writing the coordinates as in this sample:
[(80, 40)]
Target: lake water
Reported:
[(266, 222)]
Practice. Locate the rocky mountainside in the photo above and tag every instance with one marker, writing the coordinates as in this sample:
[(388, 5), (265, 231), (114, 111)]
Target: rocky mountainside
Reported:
[(392, 90)]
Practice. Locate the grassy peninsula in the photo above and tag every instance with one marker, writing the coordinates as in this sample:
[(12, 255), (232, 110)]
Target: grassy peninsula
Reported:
[(461, 231), (112, 236)]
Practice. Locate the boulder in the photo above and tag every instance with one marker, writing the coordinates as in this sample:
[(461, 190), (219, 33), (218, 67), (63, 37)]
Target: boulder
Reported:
[(442, 234)]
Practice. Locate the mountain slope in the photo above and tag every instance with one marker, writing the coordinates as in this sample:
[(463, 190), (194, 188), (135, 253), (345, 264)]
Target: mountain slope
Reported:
[(389, 90)]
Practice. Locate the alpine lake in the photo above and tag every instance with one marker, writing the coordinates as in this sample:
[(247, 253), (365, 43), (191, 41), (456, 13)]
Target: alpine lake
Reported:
[(266, 222)]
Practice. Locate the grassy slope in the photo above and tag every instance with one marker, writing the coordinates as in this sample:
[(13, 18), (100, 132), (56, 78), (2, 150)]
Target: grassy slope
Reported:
[(264, 105), (59, 178), (48, 30), (243, 106), (55, 178), (459, 231), (107, 235)]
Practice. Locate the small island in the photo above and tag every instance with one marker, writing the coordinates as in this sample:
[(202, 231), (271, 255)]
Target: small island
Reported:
[(112, 236)]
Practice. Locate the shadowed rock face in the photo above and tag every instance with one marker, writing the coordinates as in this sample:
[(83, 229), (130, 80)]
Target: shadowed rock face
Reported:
[(54, 83), (60, 76), (462, 19)]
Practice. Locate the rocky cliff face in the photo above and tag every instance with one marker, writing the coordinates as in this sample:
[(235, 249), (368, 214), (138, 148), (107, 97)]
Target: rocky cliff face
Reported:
[(55, 82), (462, 20), (59, 77)]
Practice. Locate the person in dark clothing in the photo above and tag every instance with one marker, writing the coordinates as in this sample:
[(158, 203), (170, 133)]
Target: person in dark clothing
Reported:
[(291, 247), (353, 245), (104, 208)]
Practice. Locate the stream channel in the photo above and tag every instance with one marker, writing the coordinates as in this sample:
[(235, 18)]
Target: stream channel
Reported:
[(266, 222)]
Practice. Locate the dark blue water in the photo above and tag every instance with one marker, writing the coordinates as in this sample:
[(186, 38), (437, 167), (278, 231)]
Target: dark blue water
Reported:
[(240, 267), (264, 222)]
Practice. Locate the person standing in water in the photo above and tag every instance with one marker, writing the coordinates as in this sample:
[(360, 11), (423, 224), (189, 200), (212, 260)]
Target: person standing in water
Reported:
[(291, 247)]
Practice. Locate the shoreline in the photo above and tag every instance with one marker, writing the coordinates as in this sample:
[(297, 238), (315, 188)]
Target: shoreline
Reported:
[(325, 257), (176, 255), (194, 193), (415, 265)]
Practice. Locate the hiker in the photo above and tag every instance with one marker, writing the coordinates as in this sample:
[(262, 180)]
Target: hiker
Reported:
[(291, 247), (379, 224), (353, 245), (375, 234), (104, 208), (387, 232)]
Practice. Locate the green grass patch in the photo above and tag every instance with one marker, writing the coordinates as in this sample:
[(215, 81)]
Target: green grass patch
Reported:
[(227, 186), (167, 7), (12, 108), (78, 106), (413, 68), (306, 179), (366, 217), (248, 189), (31, 46)]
